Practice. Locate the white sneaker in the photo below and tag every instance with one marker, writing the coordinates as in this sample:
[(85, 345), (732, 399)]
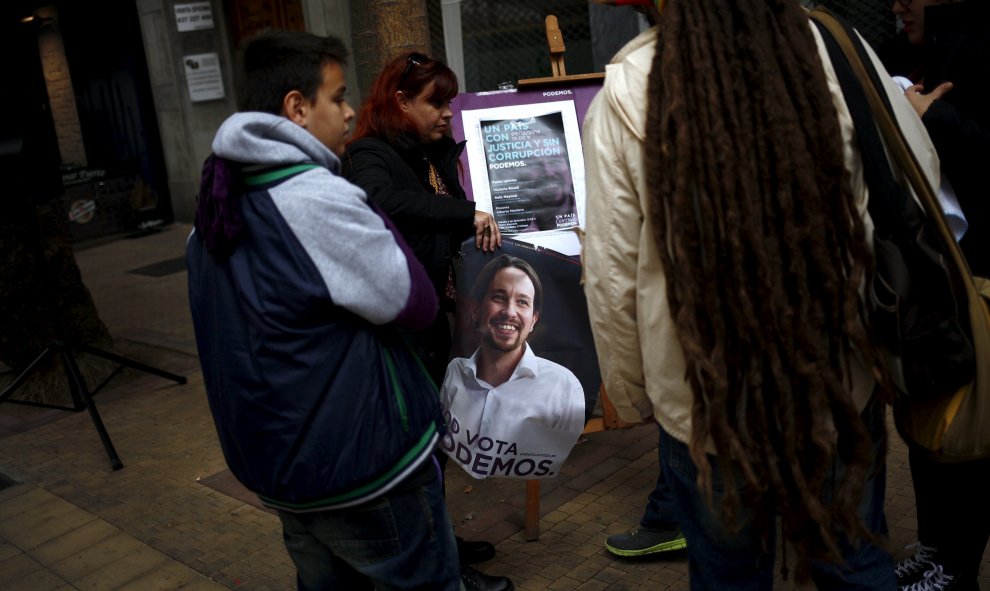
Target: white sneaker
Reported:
[(933, 580), (914, 567)]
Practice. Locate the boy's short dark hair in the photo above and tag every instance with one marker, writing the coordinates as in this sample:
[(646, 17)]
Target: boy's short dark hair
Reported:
[(274, 63)]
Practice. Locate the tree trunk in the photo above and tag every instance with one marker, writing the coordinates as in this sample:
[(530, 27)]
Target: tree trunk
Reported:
[(42, 296), (384, 28)]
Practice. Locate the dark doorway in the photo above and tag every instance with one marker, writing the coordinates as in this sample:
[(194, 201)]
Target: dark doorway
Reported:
[(109, 148)]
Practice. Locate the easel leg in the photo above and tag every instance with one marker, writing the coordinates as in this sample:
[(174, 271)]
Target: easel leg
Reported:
[(531, 532), (9, 390), (81, 395), (131, 363)]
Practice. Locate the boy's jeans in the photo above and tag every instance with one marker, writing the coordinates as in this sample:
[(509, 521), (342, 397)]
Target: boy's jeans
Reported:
[(402, 540)]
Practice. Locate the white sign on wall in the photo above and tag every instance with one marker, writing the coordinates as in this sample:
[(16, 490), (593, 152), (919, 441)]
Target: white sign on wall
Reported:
[(203, 77), (193, 16)]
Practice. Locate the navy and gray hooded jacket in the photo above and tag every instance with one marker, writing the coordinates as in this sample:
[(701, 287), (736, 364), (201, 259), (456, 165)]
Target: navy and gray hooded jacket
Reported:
[(317, 401)]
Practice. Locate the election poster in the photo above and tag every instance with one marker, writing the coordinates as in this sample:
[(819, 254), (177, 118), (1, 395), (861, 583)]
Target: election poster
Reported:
[(524, 378), (529, 175), (533, 170)]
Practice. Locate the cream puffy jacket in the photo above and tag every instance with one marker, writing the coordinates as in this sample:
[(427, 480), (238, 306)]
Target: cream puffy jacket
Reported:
[(642, 363)]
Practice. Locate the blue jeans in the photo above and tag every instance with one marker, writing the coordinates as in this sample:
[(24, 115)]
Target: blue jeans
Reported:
[(660, 513), (721, 561), (402, 540)]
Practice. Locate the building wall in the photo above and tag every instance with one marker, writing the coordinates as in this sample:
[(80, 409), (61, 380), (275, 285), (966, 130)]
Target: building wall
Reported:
[(187, 128), (61, 97)]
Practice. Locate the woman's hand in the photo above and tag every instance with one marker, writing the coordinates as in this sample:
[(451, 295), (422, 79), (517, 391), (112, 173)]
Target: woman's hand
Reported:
[(921, 102), (486, 234)]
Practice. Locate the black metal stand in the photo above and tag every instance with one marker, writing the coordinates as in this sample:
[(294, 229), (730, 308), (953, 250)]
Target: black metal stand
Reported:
[(82, 397)]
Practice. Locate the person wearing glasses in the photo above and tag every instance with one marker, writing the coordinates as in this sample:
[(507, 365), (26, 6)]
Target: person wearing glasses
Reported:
[(950, 93), (402, 155)]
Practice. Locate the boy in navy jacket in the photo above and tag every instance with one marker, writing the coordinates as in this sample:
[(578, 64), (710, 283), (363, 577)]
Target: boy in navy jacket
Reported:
[(296, 286)]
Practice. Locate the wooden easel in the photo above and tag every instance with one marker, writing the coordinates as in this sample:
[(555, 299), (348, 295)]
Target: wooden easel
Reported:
[(609, 418), (555, 43)]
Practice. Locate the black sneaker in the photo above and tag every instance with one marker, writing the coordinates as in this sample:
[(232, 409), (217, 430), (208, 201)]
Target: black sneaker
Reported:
[(643, 540), (913, 568), (478, 581)]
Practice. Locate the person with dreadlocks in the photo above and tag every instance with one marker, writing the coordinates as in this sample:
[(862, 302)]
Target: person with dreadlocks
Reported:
[(726, 252)]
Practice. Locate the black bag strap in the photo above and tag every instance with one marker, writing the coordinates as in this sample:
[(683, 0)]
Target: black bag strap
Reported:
[(858, 58), (886, 198)]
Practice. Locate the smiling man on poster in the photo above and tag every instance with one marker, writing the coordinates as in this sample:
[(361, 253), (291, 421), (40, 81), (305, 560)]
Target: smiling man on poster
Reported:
[(509, 412)]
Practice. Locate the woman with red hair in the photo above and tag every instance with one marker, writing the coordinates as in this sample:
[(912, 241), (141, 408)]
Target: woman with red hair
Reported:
[(403, 157)]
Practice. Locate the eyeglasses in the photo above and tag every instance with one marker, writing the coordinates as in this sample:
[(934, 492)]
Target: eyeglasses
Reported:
[(414, 59)]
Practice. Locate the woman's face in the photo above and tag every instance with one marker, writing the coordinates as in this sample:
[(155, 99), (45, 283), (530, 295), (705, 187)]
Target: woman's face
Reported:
[(913, 17), (431, 119)]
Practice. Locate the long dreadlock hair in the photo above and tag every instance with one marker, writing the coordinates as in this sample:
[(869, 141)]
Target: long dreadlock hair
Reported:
[(765, 254)]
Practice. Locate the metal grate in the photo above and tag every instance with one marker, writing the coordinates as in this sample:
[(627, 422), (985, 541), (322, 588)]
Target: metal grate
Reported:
[(438, 47), (872, 18), (506, 40)]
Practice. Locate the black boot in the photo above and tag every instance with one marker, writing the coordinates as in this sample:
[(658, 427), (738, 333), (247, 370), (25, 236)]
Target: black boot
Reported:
[(474, 552), (478, 581)]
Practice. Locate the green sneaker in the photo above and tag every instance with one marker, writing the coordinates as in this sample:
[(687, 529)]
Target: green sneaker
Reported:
[(642, 541)]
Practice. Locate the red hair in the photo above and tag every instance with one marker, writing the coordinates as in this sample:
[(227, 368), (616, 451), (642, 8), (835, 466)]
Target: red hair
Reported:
[(409, 72)]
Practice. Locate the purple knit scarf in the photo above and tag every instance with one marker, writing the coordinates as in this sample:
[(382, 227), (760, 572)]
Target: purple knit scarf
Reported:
[(219, 222)]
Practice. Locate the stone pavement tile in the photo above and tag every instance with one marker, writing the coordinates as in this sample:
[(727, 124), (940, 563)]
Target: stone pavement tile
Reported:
[(564, 584), (584, 572), (500, 531), (170, 576), (535, 583), (121, 571), (20, 498), (562, 527), (574, 559), (107, 551), (591, 586), (556, 498), (596, 479), (18, 566), (484, 520), (39, 580), (554, 571), (595, 451), (8, 550), (74, 541), (47, 520)]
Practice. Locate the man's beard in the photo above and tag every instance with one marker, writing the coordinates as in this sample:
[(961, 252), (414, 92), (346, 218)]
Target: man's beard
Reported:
[(490, 340)]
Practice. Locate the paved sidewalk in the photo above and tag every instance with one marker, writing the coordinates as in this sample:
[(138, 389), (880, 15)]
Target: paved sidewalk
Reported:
[(174, 518)]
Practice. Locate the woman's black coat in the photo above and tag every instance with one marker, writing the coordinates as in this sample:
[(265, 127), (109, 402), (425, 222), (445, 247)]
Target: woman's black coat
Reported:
[(394, 175)]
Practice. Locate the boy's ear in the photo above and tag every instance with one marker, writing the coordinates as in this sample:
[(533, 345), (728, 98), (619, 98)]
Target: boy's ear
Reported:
[(295, 108)]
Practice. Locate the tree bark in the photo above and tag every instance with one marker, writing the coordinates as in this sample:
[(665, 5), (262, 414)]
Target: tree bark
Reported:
[(42, 296), (384, 28)]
